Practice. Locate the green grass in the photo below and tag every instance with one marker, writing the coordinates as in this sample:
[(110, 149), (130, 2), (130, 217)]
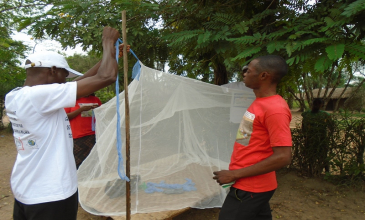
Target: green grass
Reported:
[(358, 114)]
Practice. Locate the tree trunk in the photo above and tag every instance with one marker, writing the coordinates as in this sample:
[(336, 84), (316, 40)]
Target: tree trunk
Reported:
[(300, 99), (290, 102), (339, 98), (325, 99), (335, 86), (320, 86), (306, 90), (2, 108), (356, 90), (220, 74)]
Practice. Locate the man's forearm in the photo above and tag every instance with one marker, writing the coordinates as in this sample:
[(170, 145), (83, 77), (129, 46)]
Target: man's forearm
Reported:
[(280, 158), (272, 163), (108, 65), (73, 114)]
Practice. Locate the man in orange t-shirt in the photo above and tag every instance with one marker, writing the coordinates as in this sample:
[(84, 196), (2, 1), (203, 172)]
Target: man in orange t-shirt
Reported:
[(263, 144), (81, 121)]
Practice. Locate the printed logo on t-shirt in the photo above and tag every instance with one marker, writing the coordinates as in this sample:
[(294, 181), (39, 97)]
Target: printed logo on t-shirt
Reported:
[(32, 143), (18, 144), (249, 116), (245, 129)]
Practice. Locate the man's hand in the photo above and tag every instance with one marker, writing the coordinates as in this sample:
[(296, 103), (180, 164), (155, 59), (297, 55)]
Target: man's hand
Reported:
[(224, 176), (121, 49), (110, 34), (88, 107)]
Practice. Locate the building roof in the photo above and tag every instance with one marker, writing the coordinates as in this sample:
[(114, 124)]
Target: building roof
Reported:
[(336, 94)]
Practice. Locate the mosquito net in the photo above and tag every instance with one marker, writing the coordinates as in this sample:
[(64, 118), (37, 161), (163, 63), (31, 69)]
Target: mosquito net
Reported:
[(181, 130)]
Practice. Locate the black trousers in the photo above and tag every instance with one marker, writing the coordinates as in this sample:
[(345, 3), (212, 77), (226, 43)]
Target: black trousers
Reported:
[(59, 210), (243, 205)]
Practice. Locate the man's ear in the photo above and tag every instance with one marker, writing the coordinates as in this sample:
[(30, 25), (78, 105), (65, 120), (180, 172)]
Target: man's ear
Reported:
[(264, 75)]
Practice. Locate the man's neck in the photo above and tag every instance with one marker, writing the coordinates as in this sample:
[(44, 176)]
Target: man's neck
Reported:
[(29, 82), (265, 91), (34, 79)]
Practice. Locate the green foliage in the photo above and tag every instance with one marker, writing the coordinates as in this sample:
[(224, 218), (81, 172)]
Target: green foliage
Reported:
[(248, 52), (354, 8), (356, 49), (335, 52), (323, 63), (105, 94), (212, 40), (275, 46), (82, 63), (12, 75)]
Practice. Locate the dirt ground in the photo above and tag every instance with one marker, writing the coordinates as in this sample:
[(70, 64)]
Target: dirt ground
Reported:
[(296, 197)]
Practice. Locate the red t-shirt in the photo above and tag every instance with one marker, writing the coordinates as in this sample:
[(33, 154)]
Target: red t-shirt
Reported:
[(81, 125), (264, 125)]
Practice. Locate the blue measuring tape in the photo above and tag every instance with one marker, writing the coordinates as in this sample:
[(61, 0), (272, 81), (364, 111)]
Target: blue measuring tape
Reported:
[(135, 73), (92, 120)]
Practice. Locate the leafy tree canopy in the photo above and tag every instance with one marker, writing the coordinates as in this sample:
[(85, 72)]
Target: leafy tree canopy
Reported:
[(212, 40), (12, 75)]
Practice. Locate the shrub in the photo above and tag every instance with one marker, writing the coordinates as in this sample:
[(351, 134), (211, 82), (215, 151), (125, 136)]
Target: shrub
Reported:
[(345, 140)]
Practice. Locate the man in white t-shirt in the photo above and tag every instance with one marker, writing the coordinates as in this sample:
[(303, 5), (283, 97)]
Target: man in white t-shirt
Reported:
[(43, 179)]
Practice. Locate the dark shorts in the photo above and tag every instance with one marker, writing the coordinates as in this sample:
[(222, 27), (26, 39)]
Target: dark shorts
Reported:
[(243, 205), (59, 210), (82, 148)]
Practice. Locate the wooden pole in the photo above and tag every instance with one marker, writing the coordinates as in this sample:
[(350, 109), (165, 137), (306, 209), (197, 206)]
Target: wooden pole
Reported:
[(127, 131)]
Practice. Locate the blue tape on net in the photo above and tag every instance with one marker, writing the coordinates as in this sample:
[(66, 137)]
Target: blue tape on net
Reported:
[(92, 120), (136, 73), (121, 172)]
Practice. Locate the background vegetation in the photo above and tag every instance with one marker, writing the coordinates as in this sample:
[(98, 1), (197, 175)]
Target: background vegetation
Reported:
[(341, 149)]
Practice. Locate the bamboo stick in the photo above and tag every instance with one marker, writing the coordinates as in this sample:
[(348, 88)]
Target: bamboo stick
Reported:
[(127, 126)]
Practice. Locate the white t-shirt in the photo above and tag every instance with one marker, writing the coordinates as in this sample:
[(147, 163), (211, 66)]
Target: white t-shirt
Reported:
[(44, 170)]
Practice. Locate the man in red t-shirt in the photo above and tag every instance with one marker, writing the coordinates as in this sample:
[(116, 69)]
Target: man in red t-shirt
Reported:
[(81, 122), (263, 144)]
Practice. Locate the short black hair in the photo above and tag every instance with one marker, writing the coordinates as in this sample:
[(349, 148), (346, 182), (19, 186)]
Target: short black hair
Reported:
[(317, 104), (272, 64)]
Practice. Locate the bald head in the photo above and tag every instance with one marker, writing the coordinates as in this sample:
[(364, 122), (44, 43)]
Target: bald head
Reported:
[(272, 64)]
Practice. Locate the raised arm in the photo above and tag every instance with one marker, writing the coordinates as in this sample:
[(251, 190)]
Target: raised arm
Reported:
[(106, 72), (95, 68)]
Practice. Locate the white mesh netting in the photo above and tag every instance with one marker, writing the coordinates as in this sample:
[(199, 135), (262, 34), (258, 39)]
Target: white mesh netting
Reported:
[(181, 130)]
